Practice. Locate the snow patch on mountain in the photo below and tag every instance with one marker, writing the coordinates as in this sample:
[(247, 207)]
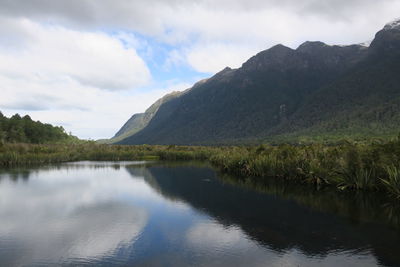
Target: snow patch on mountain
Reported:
[(394, 25), (366, 43)]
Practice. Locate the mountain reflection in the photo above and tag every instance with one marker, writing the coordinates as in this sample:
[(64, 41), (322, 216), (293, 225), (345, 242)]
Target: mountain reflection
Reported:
[(282, 217)]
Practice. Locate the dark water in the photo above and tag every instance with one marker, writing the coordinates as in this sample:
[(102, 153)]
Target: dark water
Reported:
[(136, 214)]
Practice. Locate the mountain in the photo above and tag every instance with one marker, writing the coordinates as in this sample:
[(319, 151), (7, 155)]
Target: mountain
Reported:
[(140, 120), (316, 91)]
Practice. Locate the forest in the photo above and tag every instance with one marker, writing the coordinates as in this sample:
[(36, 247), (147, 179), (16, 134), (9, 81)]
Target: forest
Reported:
[(17, 129)]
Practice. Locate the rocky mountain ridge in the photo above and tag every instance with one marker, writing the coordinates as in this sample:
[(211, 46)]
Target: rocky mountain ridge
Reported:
[(314, 91)]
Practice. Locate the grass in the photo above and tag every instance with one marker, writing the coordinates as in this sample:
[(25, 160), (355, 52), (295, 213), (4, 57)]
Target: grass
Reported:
[(28, 154), (392, 181), (373, 166)]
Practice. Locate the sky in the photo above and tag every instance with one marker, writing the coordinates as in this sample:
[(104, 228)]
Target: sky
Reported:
[(89, 65)]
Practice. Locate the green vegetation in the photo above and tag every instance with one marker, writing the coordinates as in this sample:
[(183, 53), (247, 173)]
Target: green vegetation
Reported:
[(20, 154), (25, 130), (346, 166)]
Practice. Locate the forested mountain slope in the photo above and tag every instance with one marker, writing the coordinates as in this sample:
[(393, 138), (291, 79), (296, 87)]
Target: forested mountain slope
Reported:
[(315, 91)]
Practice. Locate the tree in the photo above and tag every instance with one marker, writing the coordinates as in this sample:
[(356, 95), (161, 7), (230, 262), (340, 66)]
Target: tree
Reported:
[(17, 129), (2, 137)]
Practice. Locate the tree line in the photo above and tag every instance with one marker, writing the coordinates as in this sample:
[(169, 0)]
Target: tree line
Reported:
[(17, 129)]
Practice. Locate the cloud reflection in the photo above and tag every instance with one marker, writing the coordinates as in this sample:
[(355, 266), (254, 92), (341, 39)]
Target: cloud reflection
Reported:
[(55, 217), (214, 234)]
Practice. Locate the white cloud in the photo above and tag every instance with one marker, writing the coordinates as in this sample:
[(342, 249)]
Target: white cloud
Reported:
[(214, 57), (173, 59), (177, 21), (73, 78), (50, 54)]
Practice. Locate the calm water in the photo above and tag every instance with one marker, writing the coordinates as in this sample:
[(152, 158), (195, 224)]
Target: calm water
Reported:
[(137, 214)]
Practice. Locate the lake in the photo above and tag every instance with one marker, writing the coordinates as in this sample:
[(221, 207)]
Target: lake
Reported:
[(186, 214)]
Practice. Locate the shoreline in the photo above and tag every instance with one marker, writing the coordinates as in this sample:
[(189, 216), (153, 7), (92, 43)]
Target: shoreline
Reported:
[(347, 166)]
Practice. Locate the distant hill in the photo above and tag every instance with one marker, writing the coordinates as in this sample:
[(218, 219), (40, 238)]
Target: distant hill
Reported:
[(17, 129), (314, 92), (140, 120)]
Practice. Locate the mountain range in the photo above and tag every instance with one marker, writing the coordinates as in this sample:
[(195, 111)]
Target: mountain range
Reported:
[(312, 93)]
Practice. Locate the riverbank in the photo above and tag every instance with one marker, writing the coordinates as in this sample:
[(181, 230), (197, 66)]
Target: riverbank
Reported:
[(370, 166), (29, 154)]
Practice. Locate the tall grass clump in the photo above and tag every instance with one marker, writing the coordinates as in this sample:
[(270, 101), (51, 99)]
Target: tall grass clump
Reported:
[(391, 182), (355, 172), (346, 166)]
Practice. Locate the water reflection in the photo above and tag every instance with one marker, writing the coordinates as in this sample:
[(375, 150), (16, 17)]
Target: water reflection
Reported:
[(284, 216), (357, 206), (64, 215), (151, 214)]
